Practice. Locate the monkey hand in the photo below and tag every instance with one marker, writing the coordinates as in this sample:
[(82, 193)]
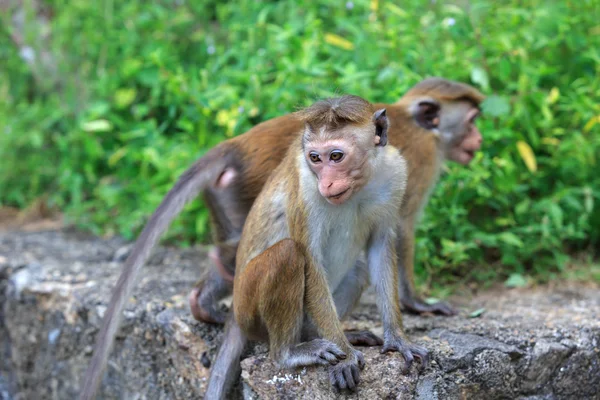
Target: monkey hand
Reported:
[(408, 350), (418, 306), (346, 374)]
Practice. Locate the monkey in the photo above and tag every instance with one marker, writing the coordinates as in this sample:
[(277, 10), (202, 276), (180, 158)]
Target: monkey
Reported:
[(338, 191), (433, 122)]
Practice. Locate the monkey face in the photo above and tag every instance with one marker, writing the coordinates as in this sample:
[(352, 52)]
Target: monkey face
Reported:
[(467, 140), (454, 125), (338, 166)]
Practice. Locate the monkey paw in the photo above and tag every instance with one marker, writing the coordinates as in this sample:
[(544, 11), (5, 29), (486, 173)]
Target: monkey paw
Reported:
[(317, 351), (417, 306), (204, 309), (408, 350), (346, 374), (363, 338)]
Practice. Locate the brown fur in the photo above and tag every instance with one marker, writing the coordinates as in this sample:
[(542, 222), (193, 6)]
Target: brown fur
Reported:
[(337, 112), (285, 270), (419, 147)]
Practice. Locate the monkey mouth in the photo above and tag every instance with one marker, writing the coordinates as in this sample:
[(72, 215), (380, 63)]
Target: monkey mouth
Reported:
[(463, 156), (339, 198), (339, 195)]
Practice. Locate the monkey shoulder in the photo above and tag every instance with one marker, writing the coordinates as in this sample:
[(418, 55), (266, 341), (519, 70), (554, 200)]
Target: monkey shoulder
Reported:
[(391, 176)]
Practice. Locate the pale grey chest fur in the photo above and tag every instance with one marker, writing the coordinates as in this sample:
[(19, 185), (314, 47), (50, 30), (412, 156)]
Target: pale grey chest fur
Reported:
[(339, 234), (338, 239)]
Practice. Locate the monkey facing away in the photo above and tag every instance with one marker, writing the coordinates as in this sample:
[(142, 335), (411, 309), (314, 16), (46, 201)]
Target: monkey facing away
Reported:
[(337, 192), (434, 121)]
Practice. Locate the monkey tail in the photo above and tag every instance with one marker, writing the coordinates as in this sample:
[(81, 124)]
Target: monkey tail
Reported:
[(226, 368), (195, 179)]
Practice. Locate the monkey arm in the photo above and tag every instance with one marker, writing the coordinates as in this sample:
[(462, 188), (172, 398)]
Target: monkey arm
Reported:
[(381, 256), (321, 306), (405, 248)]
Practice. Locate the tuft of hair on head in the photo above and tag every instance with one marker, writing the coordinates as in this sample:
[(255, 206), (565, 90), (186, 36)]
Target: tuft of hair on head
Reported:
[(445, 89), (334, 113)]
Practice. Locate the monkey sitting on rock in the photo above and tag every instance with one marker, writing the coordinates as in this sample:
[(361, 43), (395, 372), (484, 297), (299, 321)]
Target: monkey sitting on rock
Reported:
[(337, 192)]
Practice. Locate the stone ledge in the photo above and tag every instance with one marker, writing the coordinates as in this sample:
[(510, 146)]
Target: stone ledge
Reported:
[(541, 343)]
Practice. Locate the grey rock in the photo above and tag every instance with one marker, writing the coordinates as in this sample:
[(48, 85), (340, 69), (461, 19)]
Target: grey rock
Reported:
[(533, 344), (466, 346), (545, 358)]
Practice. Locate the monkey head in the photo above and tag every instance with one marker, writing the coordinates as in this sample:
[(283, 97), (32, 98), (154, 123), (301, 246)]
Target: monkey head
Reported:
[(338, 153), (454, 125)]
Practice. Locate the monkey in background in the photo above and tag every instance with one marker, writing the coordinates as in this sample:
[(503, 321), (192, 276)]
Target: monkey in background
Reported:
[(337, 192), (433, 122)]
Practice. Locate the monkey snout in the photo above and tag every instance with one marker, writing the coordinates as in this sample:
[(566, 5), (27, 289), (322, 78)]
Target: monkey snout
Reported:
[(336, 194)]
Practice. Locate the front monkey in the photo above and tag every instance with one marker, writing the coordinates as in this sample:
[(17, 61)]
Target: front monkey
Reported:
[(337, 192)]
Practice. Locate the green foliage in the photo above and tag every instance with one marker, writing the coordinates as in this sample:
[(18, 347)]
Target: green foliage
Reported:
[(147, 87)]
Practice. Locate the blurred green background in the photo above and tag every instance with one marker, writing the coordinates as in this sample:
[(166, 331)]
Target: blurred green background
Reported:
[(104, 103)]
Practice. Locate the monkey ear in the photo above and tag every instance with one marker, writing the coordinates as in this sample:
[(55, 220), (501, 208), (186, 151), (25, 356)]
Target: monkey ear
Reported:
[(427, 114), (382, 123)]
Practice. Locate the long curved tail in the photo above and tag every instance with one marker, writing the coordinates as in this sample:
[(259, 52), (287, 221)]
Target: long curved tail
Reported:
[(195, 179), (226, 368)]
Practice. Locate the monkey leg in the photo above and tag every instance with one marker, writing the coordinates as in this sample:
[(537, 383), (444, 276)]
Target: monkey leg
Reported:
[(405, 248), (228, 207), (346, 297), (269, 302)]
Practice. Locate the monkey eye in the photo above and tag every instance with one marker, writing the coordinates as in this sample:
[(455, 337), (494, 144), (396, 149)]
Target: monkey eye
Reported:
[(336, 156), (314, 157)]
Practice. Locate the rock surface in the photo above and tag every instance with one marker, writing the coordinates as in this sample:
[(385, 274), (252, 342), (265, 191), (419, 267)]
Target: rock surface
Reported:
[(541, 343)]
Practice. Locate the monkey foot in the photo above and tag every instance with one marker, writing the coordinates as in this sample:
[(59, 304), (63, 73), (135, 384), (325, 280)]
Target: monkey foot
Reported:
[(209, 314), (314, 352), (408, 350), (416, 306), (346, 374), (363, 338)]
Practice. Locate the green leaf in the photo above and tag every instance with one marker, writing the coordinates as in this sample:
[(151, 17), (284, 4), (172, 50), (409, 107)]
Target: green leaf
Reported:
[(99, 125), (477, 313), (511, 239), (480, 77), (124, 97), (495, 106), (515, 280)]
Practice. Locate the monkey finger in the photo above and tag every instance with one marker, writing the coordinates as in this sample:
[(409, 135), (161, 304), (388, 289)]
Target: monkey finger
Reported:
[(386, 348), (336, 377), (422, 354), (408, 359), (356, 374), (329, 358), (336, 351), (361, 360), (349, 378), (333, 381)]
